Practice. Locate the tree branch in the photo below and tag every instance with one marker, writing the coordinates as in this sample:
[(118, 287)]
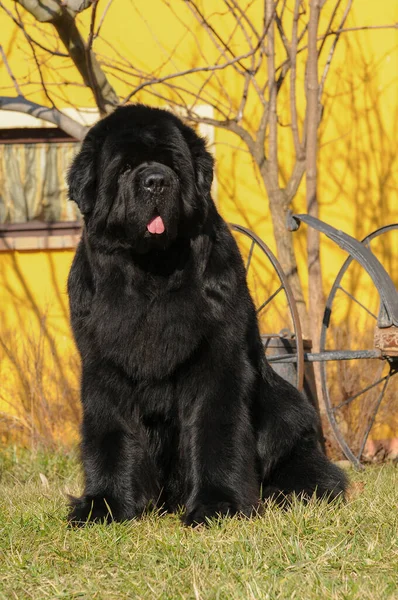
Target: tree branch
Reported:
[(329, 27), (28, 37), (10, 73), (333, 49), (51, 115), (37, 63), (102, 19), (202, 69), (99, 100), (64, 23), (295, 179), (282, 34), (272, 111), (312, 106), (76, 6), (293, 64), (214, 35), (45, 12), (311, 124)]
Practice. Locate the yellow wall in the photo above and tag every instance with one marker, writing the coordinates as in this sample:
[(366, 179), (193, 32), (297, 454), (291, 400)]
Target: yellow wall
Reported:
[(358, 170), (39, 367), (358, 187)]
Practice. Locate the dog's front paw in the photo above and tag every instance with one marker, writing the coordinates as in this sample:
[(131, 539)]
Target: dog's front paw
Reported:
[(89, 509), (202, 514)]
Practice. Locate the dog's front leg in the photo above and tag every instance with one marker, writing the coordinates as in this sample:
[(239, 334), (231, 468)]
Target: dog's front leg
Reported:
[(218, 448), (120, 479)]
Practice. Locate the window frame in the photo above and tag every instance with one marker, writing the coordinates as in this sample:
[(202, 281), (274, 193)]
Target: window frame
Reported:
[(38, 235)]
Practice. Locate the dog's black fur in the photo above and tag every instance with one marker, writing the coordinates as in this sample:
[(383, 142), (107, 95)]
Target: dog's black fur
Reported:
[(180, 407)]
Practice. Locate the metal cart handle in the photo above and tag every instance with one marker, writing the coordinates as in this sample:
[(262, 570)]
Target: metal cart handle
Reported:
[(388, 313)]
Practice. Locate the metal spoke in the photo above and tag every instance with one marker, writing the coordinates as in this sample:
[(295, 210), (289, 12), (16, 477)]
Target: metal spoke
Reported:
[(370, 425), (249, 258), (357, 301), (263, 248), (265, 336), (372, 385), (333, 355), (285, 358), (344, 437), (264, 304)]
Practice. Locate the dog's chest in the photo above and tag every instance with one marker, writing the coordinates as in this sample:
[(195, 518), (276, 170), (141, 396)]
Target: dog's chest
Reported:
[(148, 333)]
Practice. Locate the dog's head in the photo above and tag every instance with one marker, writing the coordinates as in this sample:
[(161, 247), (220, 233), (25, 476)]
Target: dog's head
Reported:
[(141, 179)]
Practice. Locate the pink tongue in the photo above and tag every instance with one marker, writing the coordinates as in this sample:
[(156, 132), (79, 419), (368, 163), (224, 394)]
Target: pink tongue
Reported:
[(156, 225)]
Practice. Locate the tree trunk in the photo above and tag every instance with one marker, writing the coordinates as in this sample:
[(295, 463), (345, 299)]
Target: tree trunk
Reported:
[(315, 290), (269, 170), (285, 251)]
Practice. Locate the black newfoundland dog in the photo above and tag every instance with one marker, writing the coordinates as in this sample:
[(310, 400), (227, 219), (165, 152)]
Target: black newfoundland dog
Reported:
[(180, 407)]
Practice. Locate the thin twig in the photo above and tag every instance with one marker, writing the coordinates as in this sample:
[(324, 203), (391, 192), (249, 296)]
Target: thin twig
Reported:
[(207, 80), (249, 76), (282, 34), (202, 69), (102, 19), (285, 65), (272, 111), (214, 35), (9, 71), (283, 9), (38, 65), (293, 73), (244, 14), (198, 45), (329, 27), (22, 27), (360, 28), (332, 50), (260, 138)]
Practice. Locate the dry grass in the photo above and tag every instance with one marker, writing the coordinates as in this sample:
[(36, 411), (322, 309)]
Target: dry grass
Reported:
[(307, 552), (39, 395)]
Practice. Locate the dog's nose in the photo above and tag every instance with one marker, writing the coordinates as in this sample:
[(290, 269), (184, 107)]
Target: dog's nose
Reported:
[(154, 181)]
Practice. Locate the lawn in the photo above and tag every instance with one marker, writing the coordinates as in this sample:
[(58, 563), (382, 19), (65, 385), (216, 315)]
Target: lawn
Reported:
[(318, 551)]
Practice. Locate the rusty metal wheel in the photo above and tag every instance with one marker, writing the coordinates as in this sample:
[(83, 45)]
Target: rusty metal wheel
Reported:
[(275, 304), (359, 382)]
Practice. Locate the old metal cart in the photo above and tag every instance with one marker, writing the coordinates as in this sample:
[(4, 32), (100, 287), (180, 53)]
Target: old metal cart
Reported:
[(355, 380)]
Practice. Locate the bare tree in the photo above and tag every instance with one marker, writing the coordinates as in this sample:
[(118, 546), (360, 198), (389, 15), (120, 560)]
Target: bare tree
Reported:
[(249, 47)]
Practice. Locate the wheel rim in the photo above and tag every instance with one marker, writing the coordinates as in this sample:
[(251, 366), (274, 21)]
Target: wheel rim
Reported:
[(391, 364), (256, 242)]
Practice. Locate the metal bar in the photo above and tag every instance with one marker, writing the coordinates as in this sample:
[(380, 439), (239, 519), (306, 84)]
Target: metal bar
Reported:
[(271, 336), (371, 423), (264, 304), (250, 256), (339, 287), (372, 385), (290, 299), (326, 356), (385, 286)]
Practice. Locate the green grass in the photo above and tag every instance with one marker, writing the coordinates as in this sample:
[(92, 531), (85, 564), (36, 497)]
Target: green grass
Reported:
[(318, 551)]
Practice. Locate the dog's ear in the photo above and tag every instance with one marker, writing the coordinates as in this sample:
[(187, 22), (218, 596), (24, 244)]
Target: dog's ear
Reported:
[(202, 160), (204, 167), (82, 176)]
